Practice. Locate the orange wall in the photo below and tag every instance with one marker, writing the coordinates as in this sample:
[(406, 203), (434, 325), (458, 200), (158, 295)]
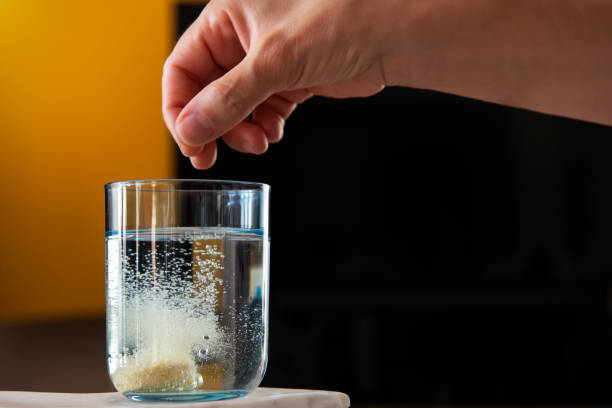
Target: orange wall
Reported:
[(79, 107)]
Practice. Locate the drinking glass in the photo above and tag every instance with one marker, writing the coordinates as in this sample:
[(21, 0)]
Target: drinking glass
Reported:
[(187, 266)]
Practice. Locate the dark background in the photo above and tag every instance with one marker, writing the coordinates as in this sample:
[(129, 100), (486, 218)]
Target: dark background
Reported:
[(428, 248)]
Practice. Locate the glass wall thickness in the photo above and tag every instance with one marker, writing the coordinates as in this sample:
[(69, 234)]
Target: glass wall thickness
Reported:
[(187, 267)]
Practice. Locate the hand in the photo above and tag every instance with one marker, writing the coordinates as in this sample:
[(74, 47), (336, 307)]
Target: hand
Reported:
[(266, 56), (263, 57)]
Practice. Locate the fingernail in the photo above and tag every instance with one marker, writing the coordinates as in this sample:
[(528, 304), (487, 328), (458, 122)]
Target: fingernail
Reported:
[(193, 130)]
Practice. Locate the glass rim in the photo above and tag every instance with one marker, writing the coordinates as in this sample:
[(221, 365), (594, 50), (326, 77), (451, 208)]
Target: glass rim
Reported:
[(241, 185)]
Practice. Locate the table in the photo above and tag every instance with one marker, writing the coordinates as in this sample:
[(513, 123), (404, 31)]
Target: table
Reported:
[(260, 398)]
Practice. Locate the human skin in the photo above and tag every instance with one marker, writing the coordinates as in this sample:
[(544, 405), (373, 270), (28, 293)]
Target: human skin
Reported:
[(244, 65)]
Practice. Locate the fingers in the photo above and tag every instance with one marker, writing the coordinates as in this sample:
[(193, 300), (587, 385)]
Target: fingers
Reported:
[(206, 158), (270, 121), (247, 138), (204, 53), (189, 151), (266, 127), (223, 104), (272, 114), (210, 86), (270, 118), (178, 88)]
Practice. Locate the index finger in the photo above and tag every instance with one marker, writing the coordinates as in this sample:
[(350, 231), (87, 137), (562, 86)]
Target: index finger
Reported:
[(208, 48)]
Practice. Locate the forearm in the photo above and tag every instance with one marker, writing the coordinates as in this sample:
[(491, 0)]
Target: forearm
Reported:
[(553, 56)]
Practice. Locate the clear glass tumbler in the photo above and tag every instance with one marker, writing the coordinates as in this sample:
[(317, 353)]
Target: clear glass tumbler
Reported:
[(187, 266)]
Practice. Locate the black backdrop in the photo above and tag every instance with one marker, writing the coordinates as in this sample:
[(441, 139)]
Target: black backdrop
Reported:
[(428, 248)]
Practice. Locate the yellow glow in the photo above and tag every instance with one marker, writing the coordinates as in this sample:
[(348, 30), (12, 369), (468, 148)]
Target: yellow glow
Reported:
[(80, 106)]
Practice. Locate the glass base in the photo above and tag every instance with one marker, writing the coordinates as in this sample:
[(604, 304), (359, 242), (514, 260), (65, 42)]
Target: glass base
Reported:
[(185, 396)]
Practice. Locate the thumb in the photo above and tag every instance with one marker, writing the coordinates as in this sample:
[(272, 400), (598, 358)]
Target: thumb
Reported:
[(223, 104)]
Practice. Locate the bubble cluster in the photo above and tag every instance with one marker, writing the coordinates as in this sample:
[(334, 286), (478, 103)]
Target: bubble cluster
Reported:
[(171, 289)]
